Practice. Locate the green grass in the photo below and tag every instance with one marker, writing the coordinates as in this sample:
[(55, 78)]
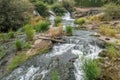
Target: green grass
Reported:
[(55, 75), (11, 34), (18, 45), (57, 20), (69, 30), (80, 21), (90, 69), (1, 52)]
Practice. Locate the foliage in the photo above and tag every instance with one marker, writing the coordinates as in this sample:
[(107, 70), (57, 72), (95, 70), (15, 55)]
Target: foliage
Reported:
[(27, 45), (69, 30), (90, 69), (107, 30), (29, 31), (68, 5), (112, 10), (1, 52), (4, 37), (58, 9), (42, 8), (109, 1), (13, 14), (42, 26), (57, 20), (18, 44), (80, 21), (55, 75), (11, 34)]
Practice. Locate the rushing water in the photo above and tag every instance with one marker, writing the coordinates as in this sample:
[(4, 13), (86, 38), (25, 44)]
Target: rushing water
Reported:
[(66, 58)]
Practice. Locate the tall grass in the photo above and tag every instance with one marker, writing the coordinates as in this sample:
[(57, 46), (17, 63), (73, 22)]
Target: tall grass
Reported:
[(69, 30), (29, 31), (90, 69), (57, 21), (18, 45), (55, 75), (80, 21)]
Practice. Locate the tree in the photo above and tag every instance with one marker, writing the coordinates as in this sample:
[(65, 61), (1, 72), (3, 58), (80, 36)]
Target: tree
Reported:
[(13, 14)]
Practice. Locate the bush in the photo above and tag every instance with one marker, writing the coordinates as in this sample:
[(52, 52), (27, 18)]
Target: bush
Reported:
[(11, 34), (1, 52), (42, 26), (69, 30), (58, 9), (90, 69), (68, 5), (4, 37), (80, 21), (13, 16), (18, 45), (27, 45), (42, 8), (112, 10), (55, 75), (57, 21), (108, 31), (29, 31)]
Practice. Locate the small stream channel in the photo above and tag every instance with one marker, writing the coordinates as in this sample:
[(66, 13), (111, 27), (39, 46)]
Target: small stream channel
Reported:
[(65, 58)]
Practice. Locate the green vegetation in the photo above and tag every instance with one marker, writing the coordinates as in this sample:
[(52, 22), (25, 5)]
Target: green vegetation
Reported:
[(42, 8), (12, 16), (1, 52), (112, 10), (11, 34), (80, 21), (29, 31), (3, 37), (18, 45), (58, 9), (27, 45), (42, 26), (91, 69), (55, 75), (108, 30), (57, 21), (69, 30)]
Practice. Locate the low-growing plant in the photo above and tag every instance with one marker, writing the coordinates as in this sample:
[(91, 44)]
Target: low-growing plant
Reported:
[(18, 44), (4, 37), (57, 20), (27, 45), (90, 69), (58, 9), (11, 34), (69, 30), (80, 21), (55, 75), (1, 52), (42, 26), (108, 31), (29, 31)]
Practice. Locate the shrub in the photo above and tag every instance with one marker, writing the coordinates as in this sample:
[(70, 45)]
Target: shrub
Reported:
[(1, 52), (11, 34), (4, 37), (112, 10), (42, 8), (55, 75), (69, 30), (18, 45), (58, 9), (27, 45), (29, 31), (57, 20), (90, 69), (80, 21), (68, 5), (42, 26), (13, 16), (108, 31)]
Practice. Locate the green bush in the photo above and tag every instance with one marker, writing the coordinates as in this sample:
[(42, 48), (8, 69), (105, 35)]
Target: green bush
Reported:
[(11, 34), (42, 8), (57, 20), (12, 16), (42, 26), (58, 9), (55, 75), (68, 5), (90, 69), (4, 37), (112, 10), (69, 31), (80, 21), (29, 31), (18, 45), (27, 45), (1, 52)]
